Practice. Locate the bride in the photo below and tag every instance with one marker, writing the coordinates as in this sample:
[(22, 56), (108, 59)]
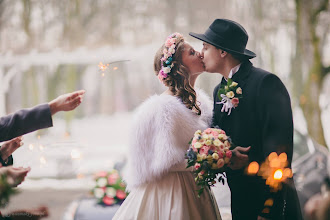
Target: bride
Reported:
[(160, 186)]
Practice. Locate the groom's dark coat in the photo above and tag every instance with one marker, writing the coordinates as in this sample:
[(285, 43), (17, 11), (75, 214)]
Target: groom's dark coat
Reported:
[(262, 120), (23, 122)]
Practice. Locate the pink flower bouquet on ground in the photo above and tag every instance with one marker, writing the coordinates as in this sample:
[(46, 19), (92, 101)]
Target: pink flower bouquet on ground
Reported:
[(209, 153), (109, 189)]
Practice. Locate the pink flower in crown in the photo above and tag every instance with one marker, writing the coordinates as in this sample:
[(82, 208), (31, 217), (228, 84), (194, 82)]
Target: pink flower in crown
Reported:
[(222, 132), (173, 40), (194, 141), (160, 77), (169, 42), (229, 154), (204, 150), (165, 51)]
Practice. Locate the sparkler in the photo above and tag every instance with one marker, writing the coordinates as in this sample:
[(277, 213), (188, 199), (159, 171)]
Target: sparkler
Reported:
[(104, 67)]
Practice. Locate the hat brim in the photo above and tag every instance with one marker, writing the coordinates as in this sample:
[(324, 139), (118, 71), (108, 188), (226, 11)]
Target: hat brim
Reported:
[(247, 53)]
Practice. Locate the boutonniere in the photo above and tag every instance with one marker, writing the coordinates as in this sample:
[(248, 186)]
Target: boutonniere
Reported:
[(229, 95)]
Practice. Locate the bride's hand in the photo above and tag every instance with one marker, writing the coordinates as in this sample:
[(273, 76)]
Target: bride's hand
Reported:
[(239, 158)]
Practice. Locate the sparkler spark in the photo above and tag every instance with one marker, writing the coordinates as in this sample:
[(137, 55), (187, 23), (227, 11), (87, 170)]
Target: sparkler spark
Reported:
[(103, 67)]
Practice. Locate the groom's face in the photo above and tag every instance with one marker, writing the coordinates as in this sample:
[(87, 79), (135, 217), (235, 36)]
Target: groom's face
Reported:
[(212, 58)]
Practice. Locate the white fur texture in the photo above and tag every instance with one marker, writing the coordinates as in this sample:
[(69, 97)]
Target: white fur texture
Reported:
[(161, 131)]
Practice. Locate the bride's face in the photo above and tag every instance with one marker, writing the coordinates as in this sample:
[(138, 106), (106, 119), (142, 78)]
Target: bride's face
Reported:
[(192, 60)]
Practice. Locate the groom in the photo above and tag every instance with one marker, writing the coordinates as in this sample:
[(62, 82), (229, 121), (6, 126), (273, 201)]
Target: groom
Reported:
[(262, 120)]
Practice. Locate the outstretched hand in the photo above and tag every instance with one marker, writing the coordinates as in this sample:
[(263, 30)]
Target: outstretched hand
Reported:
[(66, 102), (240, 158), (15, 176), (10, 146)]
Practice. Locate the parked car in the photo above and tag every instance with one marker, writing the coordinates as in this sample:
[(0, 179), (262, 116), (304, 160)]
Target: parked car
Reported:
[(310, 167)]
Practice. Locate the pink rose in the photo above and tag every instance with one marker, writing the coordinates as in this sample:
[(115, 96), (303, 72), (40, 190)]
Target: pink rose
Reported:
[(194, 141), (160, 77), (235, 101), (168, 42), (222, 132), (108, 201), (197, 166), (221, 154), (101, 174), (215, 134), (229, 154), (220, 163), (112, 179), (213, 148), (202, 172), (204, 150), (120, 194), (208, 131), (194, 149), (173, 40)]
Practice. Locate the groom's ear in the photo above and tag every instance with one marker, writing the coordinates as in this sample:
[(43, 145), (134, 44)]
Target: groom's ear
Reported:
[(222, 53)]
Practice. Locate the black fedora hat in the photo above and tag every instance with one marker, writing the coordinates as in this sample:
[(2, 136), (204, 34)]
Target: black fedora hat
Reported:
[(227, 35)]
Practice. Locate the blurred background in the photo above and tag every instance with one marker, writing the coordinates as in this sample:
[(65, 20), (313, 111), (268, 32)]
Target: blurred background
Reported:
[(52, 47)]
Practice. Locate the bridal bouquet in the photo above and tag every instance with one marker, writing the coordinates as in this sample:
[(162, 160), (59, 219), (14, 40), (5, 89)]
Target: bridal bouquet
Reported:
[(109, 189), (209, 154)]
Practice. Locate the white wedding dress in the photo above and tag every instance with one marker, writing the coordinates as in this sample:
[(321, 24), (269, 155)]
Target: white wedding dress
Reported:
[(160, 186)]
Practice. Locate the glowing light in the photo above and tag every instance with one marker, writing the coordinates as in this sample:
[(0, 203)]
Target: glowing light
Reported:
[(253, 168), (115, 68), (38, 137), (269, 202), (75, 154), (31, 147), (283, 157), (102, 75), (80, 176), (278, 174), (43, 160), (41, 147), (102, 66), (287, 173)]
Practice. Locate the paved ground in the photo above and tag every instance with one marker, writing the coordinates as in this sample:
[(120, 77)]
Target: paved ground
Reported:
[(56, 200)]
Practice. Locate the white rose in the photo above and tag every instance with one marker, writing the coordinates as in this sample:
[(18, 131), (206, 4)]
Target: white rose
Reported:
[(216, 142), (171, 50), (102, 182), (98, 193), (111, 192), (197, 145)]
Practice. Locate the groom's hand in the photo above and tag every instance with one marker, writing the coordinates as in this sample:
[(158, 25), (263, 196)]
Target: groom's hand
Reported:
[(240, 158), (66, 102)]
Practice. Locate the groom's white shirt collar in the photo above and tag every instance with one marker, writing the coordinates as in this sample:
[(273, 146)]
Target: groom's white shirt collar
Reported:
[(233, 71)]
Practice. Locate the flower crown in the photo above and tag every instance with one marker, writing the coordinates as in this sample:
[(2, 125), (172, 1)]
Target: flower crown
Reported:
[(166, 60)]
